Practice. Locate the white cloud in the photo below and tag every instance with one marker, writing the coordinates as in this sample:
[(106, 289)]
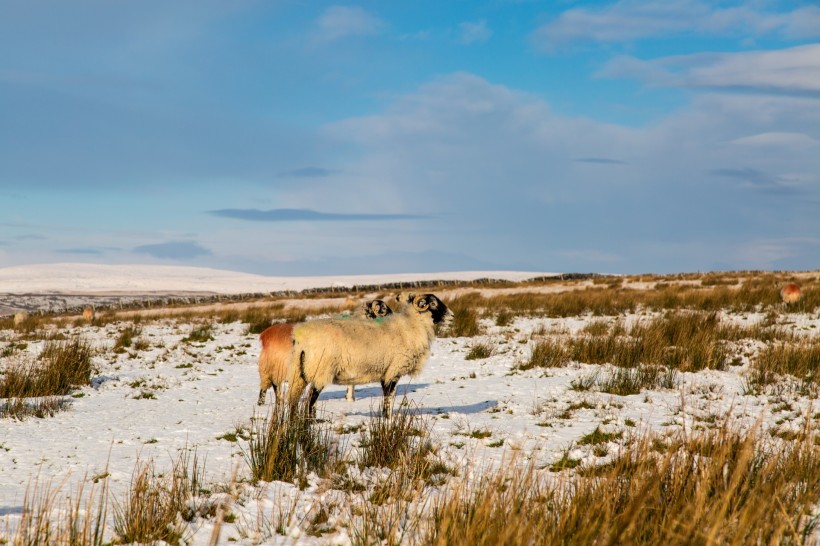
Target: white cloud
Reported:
[(472, 32), (629, 20), (768, 253), (793, 70), (778, 139), (501, 171), (342, 21)]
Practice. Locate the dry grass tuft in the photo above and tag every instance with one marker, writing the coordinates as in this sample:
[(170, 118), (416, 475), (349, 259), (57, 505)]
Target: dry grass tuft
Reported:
[(465, 323), (62, 366), (800, 360), (287, 445), (158, 505), (47, 518), (724, 487)]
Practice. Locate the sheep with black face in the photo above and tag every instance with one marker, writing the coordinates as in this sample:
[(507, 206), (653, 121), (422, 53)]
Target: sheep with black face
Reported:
[(353, 352)]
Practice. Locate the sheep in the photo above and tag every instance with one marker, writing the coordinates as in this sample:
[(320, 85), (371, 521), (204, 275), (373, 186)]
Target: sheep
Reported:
[(790, 293), (88, 314), (357, 351), (20, 317), (402, 299), (276, 345)]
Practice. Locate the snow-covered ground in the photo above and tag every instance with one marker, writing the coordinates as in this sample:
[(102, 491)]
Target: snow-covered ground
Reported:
[(75, 278), (152, 402)]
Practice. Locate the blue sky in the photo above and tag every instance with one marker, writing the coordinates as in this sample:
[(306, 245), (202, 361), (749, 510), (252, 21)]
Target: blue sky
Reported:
[(341, 138)]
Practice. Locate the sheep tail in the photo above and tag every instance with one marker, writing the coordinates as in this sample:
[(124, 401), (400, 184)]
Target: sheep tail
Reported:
[(302, 366)]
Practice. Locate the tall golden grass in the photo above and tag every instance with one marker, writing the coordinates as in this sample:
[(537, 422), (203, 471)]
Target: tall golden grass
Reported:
[(724, 487)]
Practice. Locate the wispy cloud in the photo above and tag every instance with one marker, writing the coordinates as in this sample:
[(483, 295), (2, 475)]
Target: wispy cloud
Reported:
[(308, 172), (87, 251), (771, 253), (342, 21), (761, 181), (791, 71), (474, 31), (305, 215), (778, 139), (630, 20), (600, 161), (174, 250)]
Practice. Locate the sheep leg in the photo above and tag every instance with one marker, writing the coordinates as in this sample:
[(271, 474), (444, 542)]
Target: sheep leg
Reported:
[(314, 395), (389, 391), (351, 394), (264, 384)]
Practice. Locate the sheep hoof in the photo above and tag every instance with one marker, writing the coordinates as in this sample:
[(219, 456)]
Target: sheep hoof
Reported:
[(351, 395)]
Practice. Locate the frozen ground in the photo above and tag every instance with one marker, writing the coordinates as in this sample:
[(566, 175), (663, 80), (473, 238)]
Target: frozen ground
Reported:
[(152, 402)]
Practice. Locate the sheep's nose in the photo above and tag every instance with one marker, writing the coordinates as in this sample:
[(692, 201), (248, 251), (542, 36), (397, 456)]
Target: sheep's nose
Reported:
[(449, 316)]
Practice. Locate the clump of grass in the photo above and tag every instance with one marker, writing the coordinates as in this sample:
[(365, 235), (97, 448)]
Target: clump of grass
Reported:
[(158, 504), (61, 367), (20, 408), (388, 442), (546, 353), (126, 338), (287, 445), (465, 322), (200, 334), (12, 348), (800, 360), (626, 381), (388, 512), (480, 350), (723, 487), (49, 518), (257, 320), (597, 327), (680, 340), (598, 436), (504, 318)]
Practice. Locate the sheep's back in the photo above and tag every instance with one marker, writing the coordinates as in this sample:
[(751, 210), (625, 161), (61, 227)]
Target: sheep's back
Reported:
[(359, 351), (277, 334)]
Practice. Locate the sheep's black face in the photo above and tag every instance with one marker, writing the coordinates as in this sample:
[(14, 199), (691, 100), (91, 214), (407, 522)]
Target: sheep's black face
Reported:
[(377, 309), (380, 309), (436, 308)]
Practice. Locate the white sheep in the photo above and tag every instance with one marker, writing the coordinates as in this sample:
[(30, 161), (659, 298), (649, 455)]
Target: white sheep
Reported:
[(277, 341), (352, 352), (402, 300), (20, 317)]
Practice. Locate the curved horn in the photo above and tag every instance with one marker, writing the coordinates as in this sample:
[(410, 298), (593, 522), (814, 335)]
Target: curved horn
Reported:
[(421, 303)]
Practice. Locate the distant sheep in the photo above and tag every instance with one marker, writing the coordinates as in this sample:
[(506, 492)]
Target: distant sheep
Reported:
[(790, 293), (352, 352), (88, 314), (277, 341), (20, 317)]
